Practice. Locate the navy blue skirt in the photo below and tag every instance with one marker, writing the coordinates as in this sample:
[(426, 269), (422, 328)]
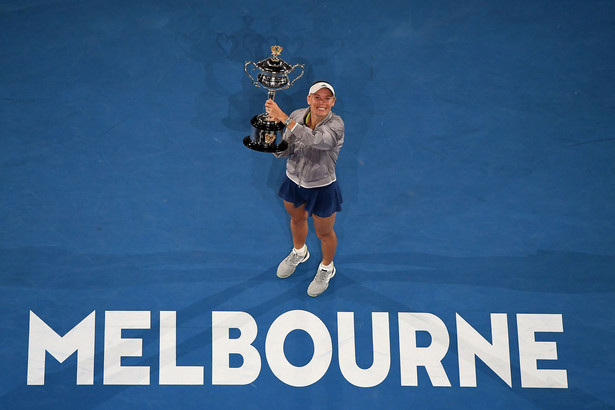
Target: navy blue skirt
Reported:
[(322, 201)]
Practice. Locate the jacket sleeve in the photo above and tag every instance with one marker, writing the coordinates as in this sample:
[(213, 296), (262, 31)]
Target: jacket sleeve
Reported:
[(324, 137), (289, 150), (289, 137)]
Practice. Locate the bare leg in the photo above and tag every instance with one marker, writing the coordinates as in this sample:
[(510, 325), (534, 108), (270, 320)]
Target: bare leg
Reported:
[(326, 234), (298, 224)]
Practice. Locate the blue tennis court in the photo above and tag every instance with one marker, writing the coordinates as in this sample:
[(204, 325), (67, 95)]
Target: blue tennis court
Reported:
[(139, 238)]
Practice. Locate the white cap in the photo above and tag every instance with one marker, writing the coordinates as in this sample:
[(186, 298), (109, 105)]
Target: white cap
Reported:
[(320, 85)]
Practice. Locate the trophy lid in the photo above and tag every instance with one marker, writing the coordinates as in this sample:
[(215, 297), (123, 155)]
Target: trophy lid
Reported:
[(274, 64)]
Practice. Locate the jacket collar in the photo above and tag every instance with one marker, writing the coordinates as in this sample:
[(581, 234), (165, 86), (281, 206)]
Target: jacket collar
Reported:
[(306, 111)]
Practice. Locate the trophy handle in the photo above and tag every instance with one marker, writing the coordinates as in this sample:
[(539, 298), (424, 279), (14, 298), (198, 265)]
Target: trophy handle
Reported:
[(299, 76), (245, 68)]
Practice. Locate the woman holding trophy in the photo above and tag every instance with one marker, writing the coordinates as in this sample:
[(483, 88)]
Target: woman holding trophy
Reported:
[(315, 136)]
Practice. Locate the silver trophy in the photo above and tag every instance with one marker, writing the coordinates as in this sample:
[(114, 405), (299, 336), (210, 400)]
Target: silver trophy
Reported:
[(267, 133)]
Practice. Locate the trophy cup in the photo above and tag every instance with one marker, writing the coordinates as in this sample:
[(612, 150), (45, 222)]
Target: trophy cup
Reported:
[(267, 133)]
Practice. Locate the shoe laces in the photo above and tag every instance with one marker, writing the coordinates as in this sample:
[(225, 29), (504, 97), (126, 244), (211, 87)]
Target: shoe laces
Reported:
[(323, 275), (294, 257)]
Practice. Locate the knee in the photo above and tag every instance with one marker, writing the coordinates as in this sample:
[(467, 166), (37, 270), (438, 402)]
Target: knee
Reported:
[(325, 234), (298, 220)]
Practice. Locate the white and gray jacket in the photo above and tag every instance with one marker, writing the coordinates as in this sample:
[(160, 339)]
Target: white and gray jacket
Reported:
[(312, 154)]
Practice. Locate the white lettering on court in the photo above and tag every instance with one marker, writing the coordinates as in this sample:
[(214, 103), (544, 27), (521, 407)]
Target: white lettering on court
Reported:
[(430, 357), (43, 339), (471, 345), (117, 347), (496, 355), (298, 376), (222, 346), (170, 372), (530, 351), (378, 371)]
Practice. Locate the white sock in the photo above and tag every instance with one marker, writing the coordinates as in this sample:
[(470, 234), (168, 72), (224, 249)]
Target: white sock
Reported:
[(328, 267), (301, 252)]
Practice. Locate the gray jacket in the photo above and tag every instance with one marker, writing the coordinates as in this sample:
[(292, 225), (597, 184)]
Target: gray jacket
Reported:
[(312, 154)]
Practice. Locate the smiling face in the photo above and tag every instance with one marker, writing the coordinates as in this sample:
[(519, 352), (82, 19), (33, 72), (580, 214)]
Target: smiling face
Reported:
[(320, 103)]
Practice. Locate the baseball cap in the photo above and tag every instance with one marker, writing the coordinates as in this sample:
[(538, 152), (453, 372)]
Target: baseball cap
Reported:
[(319, 85)]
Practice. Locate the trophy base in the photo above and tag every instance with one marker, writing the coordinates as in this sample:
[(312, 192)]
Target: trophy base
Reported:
[(247, 141)]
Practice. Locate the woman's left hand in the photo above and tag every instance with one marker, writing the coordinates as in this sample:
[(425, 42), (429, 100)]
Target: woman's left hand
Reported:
[(274, 111)]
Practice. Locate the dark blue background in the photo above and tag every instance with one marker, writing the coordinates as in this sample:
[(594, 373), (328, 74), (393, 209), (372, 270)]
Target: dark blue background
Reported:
[(478, 175)]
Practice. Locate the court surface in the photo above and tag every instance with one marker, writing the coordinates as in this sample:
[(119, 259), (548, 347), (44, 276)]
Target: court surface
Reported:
[(139, 238)]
